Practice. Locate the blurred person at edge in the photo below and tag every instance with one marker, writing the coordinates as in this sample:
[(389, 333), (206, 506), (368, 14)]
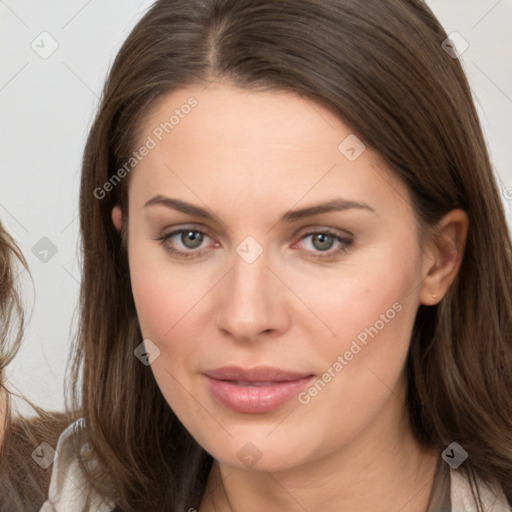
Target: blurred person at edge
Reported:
[(23, 482)]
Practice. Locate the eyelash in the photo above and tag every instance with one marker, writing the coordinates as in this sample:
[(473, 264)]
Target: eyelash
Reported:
[(346, 243)]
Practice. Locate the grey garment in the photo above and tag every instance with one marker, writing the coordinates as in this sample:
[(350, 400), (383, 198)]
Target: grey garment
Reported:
[(440, 497)]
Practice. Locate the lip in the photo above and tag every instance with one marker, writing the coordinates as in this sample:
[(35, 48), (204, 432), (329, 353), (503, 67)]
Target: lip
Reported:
[(254, 390)]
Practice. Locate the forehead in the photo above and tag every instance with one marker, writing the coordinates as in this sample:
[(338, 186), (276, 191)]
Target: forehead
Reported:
[(270, 146), (245, 116)]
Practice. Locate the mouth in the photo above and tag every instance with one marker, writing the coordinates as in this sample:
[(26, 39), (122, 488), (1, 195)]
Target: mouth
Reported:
[(256, 390)]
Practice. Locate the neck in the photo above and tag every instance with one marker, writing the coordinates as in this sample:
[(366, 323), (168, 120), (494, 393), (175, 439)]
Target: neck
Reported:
[(383, 469)]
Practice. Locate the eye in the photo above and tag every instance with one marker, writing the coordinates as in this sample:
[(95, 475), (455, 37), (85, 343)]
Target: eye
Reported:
[(321, 243), (191, 239), (188, 242), (184, 242)]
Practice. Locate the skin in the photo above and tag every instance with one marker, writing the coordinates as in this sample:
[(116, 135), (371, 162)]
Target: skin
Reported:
[(249, 157)]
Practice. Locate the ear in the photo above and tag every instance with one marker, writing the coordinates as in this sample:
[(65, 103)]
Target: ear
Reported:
[(117, 217), (443, 256)]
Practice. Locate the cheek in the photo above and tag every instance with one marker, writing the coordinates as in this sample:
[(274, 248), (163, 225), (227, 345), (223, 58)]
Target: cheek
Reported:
[(152, 298), (170, 301), (377, 289), (164, 304), (165, 311), (167, 303), (371, 308), (161, 290)]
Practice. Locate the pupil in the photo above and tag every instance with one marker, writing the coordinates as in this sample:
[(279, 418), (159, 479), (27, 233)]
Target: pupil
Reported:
[(192, 236), (325, 241)]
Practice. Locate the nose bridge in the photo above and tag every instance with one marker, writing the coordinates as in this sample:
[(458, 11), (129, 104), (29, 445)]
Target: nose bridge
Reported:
[(251, 301)]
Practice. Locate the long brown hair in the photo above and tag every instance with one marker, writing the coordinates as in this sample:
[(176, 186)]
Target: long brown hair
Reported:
[(23, 483), (12, 316), (381, 67)]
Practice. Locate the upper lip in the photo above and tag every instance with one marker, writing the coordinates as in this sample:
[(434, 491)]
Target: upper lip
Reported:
[(258, 374)]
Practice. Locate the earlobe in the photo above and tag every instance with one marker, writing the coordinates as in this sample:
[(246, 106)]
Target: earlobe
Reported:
[(445, 252), (117, 217)]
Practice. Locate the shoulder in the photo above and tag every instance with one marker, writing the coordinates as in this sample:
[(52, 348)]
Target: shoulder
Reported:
[(23, 483), (69, 489), (493, 498)]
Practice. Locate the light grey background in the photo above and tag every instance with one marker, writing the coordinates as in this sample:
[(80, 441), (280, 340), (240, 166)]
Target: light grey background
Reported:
[(47, 106)]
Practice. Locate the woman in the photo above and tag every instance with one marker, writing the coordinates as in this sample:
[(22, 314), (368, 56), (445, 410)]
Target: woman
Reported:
[(24, 459), (297, 270)]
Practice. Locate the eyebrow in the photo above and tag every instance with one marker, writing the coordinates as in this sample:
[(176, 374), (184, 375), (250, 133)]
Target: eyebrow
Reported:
[(334, 205)]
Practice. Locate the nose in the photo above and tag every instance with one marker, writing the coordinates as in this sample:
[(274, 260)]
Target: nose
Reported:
[(253, 301)]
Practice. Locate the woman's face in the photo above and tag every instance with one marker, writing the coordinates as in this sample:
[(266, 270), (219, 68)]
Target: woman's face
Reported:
[(281, 324)]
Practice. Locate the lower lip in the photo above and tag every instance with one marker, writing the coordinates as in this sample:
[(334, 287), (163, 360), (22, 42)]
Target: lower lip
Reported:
[(255, 399)]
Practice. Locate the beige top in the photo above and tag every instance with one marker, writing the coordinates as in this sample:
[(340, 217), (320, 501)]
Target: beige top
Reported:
[(451, 490)]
